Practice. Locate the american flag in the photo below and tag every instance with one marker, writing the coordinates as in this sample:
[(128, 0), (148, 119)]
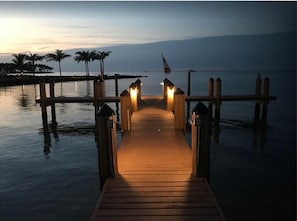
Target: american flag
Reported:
[(166, 66)]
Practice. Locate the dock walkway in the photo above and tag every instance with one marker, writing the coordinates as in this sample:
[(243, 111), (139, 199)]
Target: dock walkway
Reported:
[(155, 180)]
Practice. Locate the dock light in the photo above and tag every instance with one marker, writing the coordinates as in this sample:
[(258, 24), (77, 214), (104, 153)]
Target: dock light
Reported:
[(170, 91), (133, 96), (170, 97), (133, 92)]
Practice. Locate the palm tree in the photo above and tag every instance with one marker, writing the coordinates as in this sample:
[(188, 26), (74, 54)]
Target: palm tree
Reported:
[(19, 61), (32, 58), (58, 56), (85, 56), (101, 55)]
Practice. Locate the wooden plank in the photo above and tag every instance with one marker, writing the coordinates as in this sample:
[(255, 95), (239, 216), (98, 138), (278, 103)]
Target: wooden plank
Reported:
[(160, 218), (158, 212), (156, 199), (155, 179), (159, 205)]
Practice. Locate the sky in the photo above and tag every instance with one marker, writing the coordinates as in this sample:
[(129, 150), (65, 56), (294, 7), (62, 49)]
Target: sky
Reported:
[(43, 27)]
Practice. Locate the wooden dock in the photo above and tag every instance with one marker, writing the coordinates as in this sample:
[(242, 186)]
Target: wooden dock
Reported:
[(155, 180)]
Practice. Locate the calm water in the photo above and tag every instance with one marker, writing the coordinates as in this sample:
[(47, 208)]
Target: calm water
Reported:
[(253, 171)]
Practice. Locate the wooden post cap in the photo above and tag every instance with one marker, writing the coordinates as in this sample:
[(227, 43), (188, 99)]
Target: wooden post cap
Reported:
[(138, 81), (132, 85), (105, 111), (125, 93), (179, 91), (200, 109)]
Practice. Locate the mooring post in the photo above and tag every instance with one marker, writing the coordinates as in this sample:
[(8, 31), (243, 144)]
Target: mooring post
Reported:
[(258, 94), (107, 153), (210, 94), (53, 106), (200, 141), (218, 102), (266, 100), (179, 109), (138, 85), (116, 77), (170, 96), (133, 97), (125, 111), (43, 104)]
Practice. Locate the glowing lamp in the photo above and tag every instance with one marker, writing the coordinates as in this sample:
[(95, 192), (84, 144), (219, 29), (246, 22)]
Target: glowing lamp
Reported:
[(170, 97), (133, 96)]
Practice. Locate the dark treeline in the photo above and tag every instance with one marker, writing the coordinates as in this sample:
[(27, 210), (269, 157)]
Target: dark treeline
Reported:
[(6, 68), (27, 63)]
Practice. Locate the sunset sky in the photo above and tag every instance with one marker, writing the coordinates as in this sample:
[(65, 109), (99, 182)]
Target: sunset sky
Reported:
[(42, 27)]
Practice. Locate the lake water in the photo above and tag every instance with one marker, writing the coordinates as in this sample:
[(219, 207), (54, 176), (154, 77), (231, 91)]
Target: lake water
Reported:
[(253, 170)]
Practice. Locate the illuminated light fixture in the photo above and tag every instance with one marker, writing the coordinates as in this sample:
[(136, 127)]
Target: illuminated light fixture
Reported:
[(133, 96), (133, 92), (170, 97), (170, 91)]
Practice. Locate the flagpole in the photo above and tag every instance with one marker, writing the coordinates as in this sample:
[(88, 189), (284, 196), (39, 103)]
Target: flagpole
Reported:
[(188, 94)]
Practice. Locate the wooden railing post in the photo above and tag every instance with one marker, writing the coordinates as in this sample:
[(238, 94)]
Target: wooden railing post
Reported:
[(258, 94), (179, 109), (138, 85), (133, 97), (170, 96), (107, 153), (200, 141), (125, 111)]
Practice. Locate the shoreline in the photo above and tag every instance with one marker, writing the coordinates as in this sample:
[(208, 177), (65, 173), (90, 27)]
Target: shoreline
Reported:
[(12, 80)]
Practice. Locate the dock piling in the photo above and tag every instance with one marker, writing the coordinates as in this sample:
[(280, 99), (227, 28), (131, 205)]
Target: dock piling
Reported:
[(179, 109), (107, 154), (53, 106), (125, 111), (138, 85), (170, 96), (210, 94), (200, 141), (133, 97)]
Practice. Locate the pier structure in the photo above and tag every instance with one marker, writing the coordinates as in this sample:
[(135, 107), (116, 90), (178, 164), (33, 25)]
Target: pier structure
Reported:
[(155, 174)]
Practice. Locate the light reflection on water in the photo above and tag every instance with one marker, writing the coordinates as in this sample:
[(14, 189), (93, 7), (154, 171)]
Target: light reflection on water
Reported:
[(250, 168)]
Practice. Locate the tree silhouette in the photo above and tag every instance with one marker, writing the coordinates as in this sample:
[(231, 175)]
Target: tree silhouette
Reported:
[(101, 55), (58, 56), (85, 56), (19, 61), (32, 58)]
